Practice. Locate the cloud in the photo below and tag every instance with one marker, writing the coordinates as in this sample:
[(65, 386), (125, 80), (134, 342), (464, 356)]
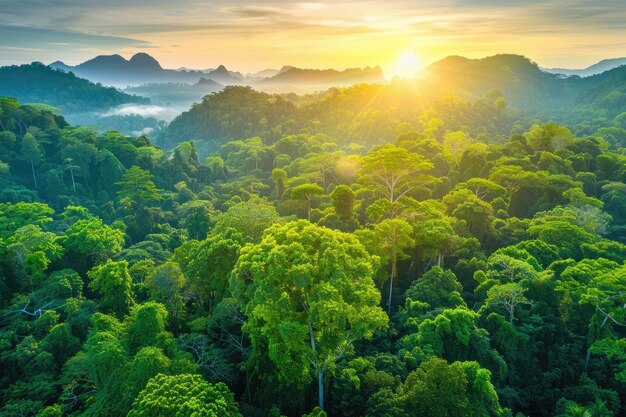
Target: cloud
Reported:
[(39, 38), (291, 30), (144, 110)]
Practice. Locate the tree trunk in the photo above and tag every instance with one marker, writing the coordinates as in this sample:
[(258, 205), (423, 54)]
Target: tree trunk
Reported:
[(320, 387), (32, 167), (393, 274), (309, 209), (73, 183), (439, 259)]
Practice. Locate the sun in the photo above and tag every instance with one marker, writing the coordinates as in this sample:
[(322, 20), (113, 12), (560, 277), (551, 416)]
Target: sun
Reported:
[(407, 65)]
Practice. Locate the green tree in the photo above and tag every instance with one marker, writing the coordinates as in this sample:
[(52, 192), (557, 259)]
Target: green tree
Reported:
[(184, 395), (113, 283), (93, 239), (136, 188), (279, 177), (342, 199), (395, 172), (389, 239), (306, 193), (308, 295), (30, 152), (439, 389), (507, 296)]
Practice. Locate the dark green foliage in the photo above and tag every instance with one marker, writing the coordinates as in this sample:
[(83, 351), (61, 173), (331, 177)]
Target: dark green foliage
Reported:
[(141, 281), (38, 83)]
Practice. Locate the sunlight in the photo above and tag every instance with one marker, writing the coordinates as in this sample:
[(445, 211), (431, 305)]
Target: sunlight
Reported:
[(407, 65)]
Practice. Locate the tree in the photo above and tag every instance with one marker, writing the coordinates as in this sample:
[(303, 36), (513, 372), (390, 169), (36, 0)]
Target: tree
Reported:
[(184, 395), (167, 284), (113, 282), (279, 177), (31, 151), (439, 389), (508, 296), (454, 144), (394, 171), (342, 199), (207, 265), (308, 294), (306, 193), (137, 188), (389, 239), (93, 239), (249, 218), (436, 289), (33, 250)]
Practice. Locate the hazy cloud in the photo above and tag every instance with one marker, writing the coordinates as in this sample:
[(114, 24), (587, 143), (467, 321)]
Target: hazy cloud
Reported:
[(289, 30)]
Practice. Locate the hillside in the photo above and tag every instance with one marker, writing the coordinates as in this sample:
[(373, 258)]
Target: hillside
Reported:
[(528, 88), (235, 112), (37, 83), (508, 81)]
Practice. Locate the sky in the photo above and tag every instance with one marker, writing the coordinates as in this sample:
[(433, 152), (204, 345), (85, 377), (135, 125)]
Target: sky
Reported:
[(253, 35)]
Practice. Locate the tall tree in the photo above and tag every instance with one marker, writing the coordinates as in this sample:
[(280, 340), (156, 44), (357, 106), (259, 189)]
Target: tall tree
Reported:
[(306, 193), (394, 171), (389, 239), (137, 188), (308, 294), (113, 283)]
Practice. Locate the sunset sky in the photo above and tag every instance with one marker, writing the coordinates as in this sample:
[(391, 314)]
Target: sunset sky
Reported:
[(253, 35)]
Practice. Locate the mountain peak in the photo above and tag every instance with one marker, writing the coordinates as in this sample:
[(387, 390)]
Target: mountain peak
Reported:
[(221, 69), (144, 60)]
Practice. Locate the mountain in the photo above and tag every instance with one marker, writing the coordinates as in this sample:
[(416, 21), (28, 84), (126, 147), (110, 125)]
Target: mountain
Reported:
[(233, 113), (495, 82), (516, 77), (38, 83), (266, 73), (223, 76), (526, 87), (115, 70), (597, 68), (324, 78)]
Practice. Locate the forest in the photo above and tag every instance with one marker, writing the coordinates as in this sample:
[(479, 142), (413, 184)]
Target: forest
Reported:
[(367, 251)]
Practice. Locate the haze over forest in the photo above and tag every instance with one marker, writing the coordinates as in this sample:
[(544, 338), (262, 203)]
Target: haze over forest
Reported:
[(312, 209)]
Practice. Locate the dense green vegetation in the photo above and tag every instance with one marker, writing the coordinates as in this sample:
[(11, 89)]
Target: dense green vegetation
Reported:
[(38, 83), (488, 98), (354, 250)]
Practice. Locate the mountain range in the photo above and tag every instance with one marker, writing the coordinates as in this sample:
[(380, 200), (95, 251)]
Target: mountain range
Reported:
[(597, 68), (520, 81), (502, 81), (115, 70), (141, 68)]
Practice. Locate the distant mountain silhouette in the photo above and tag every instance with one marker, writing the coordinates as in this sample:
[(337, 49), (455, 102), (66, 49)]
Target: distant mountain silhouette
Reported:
[(38, 83), (116, 70), (328, 77), (223, 76), (143, 69), (266, 73), (597, 68)]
